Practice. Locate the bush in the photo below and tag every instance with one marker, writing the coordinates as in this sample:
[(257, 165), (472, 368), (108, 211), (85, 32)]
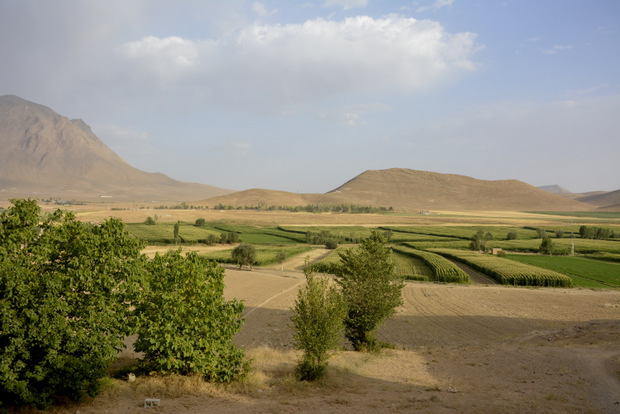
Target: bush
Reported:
[(546, 246), (200, 222), (331, 244), (370, 288), (244, 254), (66, 288), (318, 318), (512, 235), (186, 326), (150, 221)]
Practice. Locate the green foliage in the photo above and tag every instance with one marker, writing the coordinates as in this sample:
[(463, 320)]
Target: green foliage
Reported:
[(150, 221), (559, 233), (512, 235), (443, 269), (176, 233), (280, 256), (541, 233), (186, 326), (331, 244), (200, 222), (318, 325), (479, 241), (66, 288), (506, 271), (584, 271), (244, 254), (546, 246), (371, 289)]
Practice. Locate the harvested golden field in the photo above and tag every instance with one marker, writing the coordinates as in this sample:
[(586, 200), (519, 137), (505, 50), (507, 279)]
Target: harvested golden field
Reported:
[(457, 349)]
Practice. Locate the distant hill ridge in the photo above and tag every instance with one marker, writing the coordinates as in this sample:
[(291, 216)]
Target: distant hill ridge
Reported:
[(43, 154), (411, 190)]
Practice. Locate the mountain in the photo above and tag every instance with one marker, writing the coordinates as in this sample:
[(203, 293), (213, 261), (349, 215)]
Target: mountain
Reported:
[(412, 190), (43, 154), (608, 201), (554, 189)]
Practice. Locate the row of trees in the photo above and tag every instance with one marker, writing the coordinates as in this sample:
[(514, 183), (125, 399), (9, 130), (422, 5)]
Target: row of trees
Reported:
[(593, 232), (365, 293)]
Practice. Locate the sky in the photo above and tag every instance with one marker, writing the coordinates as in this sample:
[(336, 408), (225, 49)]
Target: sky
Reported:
[(303, 96)]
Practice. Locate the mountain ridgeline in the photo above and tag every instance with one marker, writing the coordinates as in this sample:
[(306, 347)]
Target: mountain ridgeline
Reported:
[(44, 155)]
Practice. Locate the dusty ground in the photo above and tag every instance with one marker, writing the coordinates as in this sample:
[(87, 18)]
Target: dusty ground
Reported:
[(458, 349)]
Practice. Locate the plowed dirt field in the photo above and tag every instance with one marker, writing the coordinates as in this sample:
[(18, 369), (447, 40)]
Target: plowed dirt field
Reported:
[(457, 349)]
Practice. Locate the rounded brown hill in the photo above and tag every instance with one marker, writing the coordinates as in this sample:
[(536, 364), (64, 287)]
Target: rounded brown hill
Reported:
[(44, 154), (410, 190)]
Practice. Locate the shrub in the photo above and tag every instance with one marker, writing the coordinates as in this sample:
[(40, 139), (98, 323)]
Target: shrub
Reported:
[(546, 246), (200, 222), (150, 221), (66, 288), (331, 244), (512, 235), (244, 254), (370, 288), (186, 326), (559, 233), (318, 325)]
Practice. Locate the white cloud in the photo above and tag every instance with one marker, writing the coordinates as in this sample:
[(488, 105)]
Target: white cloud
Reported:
[(438, 4), (261, 10), (289, 64), (346, 4), (555, 49)]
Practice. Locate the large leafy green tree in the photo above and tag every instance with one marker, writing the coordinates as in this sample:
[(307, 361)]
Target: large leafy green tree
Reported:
[(186, 326), (371, 289), (66, 290)]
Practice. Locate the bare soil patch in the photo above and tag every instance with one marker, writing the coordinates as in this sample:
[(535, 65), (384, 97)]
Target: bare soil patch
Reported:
[(457, 349)]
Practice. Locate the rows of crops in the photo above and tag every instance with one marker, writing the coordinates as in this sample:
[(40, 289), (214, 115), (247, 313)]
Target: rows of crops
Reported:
[(443, 269), (265, 255), (507, 272)]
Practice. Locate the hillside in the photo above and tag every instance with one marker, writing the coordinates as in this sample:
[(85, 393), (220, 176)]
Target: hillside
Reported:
[(43, 154), (608, 201), (554, 189), (411, 190)]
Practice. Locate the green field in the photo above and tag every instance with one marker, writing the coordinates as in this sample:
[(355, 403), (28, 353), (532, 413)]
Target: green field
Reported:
[(584, 271), (265, 255)]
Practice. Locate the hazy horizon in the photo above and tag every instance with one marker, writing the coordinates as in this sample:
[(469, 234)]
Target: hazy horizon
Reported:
[(304, 96)]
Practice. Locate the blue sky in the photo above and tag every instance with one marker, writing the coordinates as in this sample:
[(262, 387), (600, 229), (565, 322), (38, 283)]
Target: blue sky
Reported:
[(303, 96)]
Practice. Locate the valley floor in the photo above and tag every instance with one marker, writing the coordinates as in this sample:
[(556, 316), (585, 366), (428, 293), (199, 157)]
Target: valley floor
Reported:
[(458, 349)]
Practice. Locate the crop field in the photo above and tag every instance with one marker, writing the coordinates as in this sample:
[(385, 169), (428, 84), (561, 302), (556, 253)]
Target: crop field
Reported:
[(584, 271), (561, 246), (507, 272), (442, 269), (265, 255), (163, 233), (465, 232)]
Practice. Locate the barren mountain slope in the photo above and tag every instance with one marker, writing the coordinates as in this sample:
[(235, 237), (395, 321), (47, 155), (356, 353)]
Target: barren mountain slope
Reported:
[(429, 190), (43, 154), (608, 201)]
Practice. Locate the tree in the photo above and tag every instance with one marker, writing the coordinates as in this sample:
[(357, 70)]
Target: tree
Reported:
[(244, 254), (66, 292), (478, 242), (512, 235), (559, 233), (150, 221), (541, 233), (200, 222), (318, 325), (546, 246), (370, 288), (186, 326), (176, 232)]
